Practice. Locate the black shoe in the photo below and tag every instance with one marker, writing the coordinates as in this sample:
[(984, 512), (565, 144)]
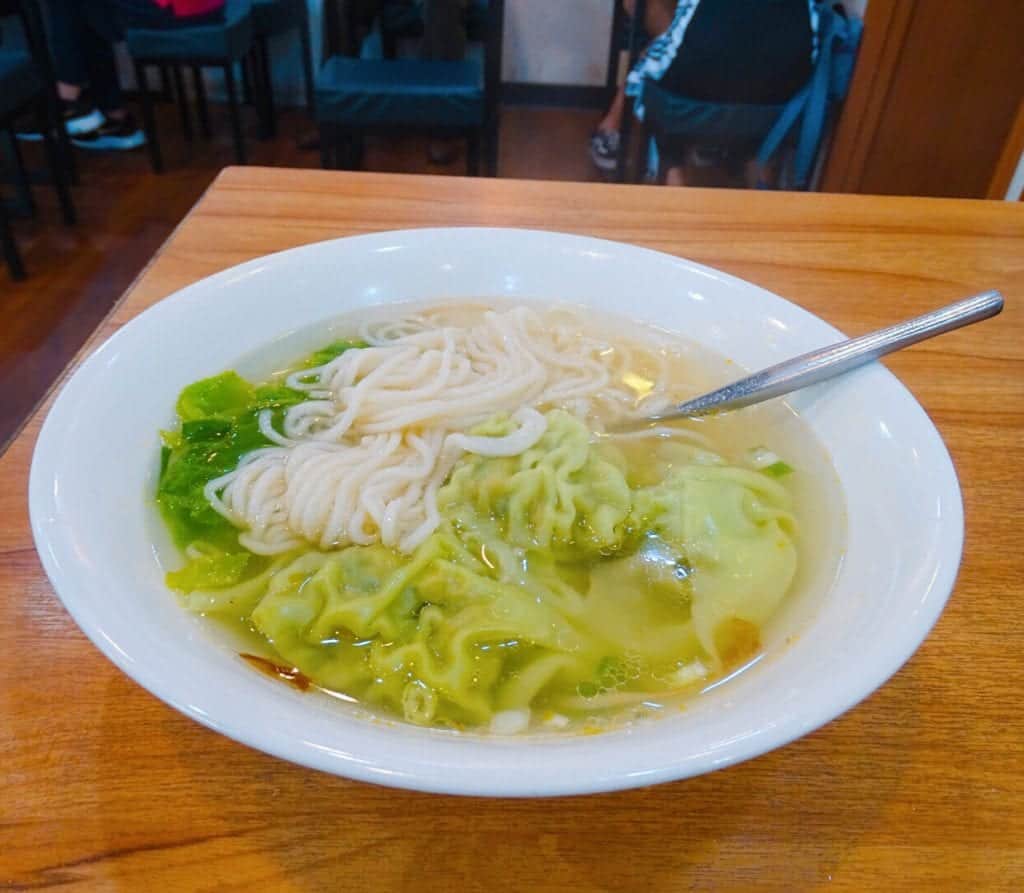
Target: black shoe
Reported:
[(119, 134), (80, 116)]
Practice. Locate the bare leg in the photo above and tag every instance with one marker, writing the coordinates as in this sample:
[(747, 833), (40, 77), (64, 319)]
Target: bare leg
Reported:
[(612, 121), (754, 174), (604, 144), (674, 176), (657, 17)]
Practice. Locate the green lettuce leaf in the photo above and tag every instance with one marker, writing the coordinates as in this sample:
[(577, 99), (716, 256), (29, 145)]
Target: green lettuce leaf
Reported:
[(219, 419)]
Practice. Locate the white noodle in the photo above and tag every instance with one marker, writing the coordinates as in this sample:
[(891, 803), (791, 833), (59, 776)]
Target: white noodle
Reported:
[(362, 459)]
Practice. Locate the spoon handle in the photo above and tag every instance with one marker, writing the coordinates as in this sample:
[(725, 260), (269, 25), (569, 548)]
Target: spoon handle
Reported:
[(835, 359)]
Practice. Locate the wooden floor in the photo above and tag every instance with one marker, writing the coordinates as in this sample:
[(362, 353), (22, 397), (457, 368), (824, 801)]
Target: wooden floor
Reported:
[(126, 212)]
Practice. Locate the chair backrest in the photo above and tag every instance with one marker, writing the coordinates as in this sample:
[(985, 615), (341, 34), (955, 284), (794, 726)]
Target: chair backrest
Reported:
[(30, 15), (487, 25)]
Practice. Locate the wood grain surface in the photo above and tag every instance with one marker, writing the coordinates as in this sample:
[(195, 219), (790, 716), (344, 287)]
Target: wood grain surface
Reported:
[(921, 787)]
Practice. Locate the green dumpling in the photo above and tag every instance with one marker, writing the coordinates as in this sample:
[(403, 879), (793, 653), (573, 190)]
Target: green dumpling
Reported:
[(733, 528), (562, 494)]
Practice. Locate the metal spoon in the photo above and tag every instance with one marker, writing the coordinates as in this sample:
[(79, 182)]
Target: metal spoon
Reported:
[(828, 362)]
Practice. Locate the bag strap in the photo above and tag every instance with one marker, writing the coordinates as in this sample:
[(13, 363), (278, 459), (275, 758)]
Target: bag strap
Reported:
[(810, 103), (780, 129)]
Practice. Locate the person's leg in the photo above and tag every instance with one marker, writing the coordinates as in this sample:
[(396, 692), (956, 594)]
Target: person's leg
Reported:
[(65, 42), (604, 144), (612, 120), (675, 176), (103, 27), (82, 37), (72, 67), (98, 50), (657, 18)]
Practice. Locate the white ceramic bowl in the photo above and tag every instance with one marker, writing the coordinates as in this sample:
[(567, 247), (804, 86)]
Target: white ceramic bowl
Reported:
[(95, 464)]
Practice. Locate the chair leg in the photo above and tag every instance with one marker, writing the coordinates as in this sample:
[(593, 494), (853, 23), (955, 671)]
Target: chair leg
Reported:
[(473, 153), (247, 79), (328, 149), (58, 172), (148, 118), (351, 148), (182, 96), (10, 248), (63, 140), (340, 148), (252, 69), (202, 111), (26, 200), (268, 85), (236, 115), (264, 87), (306, 42), (490, 139), (621, 172), (67, 152), (639, 174), (165, 85)]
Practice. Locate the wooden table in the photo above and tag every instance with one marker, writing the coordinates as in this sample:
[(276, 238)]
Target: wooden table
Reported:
[(920, 787)]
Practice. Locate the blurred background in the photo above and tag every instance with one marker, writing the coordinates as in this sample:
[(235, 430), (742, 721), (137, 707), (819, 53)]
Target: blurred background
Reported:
[(897, 97)]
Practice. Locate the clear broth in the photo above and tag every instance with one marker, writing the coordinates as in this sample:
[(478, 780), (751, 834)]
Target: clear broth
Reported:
[(691, 369)]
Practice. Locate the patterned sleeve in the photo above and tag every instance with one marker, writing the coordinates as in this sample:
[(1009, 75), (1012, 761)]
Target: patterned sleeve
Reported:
[(657, 58)]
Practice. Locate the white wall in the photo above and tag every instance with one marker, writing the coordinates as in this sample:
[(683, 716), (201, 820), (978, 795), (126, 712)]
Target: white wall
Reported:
[(557, 41)]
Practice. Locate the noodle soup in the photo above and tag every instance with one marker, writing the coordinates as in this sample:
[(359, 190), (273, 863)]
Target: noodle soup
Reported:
[(431, 510)]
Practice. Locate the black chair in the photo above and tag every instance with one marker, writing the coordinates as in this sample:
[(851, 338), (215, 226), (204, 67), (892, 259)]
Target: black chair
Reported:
[(27, 87), (220, 45), (359, 96), (401, 21), (270, 18), (12, 257)]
